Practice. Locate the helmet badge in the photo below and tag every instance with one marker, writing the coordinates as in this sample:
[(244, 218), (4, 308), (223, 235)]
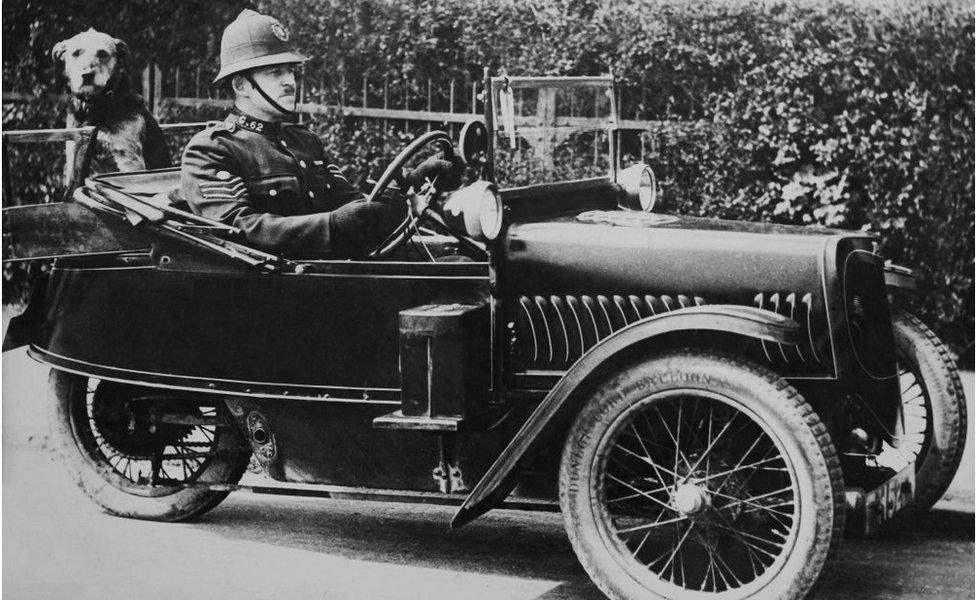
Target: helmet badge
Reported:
[(280, 32)]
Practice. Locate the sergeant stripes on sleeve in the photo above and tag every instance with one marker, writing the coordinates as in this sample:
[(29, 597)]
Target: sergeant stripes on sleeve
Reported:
[(336, 172), (232, 189)]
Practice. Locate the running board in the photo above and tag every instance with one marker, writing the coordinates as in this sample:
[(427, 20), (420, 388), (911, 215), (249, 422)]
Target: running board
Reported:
[(336, 492)]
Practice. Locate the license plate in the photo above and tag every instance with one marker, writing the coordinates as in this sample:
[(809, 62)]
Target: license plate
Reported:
[(885, 501)]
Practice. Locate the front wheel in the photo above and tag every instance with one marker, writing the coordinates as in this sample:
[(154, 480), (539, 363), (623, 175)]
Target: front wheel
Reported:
[(135, 451), (699, 475)]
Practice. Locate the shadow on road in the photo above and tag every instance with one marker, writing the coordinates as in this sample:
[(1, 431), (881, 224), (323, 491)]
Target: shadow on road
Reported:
[(931, 556), (944, 525), (505, 543)]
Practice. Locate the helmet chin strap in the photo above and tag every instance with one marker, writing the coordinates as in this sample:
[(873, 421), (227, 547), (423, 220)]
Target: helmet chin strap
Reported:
[(268, 98)]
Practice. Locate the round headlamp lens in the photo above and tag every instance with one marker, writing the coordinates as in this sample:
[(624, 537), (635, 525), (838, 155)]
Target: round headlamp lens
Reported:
[(639, 187), (647, 190), (490, 214)]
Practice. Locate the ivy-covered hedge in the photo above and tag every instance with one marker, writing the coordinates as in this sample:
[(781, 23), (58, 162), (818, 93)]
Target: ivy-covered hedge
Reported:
[(865, 123), (853, 115)]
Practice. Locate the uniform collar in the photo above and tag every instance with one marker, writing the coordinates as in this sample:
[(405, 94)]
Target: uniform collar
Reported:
[(249, 123)]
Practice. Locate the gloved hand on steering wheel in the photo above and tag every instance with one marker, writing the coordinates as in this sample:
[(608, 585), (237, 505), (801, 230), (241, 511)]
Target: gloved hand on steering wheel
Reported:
[(357, 227), (446, 172)]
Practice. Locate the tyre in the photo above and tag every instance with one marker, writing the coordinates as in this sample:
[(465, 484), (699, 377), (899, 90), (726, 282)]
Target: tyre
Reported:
[(931, 428), (699, 475), (133, 449)]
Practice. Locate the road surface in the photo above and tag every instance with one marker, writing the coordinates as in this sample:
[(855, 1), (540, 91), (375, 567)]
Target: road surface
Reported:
[(56, 544)]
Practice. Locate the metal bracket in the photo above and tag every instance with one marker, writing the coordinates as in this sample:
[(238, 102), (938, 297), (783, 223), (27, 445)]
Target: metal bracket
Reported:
[(448, 473)]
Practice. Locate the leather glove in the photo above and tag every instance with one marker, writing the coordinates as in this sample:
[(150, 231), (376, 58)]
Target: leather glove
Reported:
[(358, 227), (448, 172)]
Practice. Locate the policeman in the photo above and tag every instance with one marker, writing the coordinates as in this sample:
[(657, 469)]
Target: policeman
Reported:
[(261, 172)]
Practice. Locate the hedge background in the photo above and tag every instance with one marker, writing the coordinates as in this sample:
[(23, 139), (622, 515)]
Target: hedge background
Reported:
[(857, 115)]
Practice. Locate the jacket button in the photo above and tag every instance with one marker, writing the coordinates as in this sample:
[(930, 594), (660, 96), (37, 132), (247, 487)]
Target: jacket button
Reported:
[(302, 164), (311, 194), (273, 193)]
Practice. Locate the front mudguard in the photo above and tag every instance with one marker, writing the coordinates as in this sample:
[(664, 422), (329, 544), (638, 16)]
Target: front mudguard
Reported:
[(903, 278), (558, 404)]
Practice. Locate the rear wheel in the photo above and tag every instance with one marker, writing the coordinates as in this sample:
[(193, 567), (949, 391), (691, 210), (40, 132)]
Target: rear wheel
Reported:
[(931, 428), (133, 450), (698, 475)]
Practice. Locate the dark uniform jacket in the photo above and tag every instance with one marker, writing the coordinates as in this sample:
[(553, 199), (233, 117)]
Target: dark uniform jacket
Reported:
[(272, 180)]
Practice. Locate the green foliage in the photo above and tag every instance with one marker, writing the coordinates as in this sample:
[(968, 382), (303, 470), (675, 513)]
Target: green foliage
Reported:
[(852, 115)]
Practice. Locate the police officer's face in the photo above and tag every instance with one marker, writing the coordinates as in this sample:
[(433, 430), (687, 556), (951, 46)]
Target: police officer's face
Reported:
[(278, 82)]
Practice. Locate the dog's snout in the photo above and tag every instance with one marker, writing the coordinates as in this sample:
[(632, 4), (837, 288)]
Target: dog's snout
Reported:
[(88, 78)]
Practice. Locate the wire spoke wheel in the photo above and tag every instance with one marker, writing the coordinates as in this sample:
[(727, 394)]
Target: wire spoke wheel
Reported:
[(697, 492), (915, 415), (137, 431), (930, 429), (913, 426), (698, 475), (148, 445)]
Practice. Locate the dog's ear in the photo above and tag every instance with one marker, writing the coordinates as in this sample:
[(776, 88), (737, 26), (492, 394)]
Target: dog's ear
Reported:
[(59, 49), (121, 50)]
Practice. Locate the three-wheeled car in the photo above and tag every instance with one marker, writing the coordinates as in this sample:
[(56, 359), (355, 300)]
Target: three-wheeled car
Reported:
[(705, 401)]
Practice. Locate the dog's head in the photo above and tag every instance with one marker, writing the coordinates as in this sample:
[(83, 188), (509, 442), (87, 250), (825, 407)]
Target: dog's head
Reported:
[(91, 58)]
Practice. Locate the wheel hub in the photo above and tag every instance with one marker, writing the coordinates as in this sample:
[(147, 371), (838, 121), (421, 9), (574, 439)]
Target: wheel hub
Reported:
[(128, 425), (689, 498)]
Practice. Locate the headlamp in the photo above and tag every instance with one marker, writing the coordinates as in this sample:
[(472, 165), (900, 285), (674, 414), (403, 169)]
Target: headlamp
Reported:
[(640, 187), (475, 210)]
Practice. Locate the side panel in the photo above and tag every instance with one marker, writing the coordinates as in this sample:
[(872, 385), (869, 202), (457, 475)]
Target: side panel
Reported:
[(319, 336)]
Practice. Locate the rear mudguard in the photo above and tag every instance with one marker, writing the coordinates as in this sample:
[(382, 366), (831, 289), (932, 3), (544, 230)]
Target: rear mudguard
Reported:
[(502, 476), (22, 329)]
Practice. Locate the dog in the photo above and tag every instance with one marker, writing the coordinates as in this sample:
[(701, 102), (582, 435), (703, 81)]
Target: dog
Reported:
[(128, 138)]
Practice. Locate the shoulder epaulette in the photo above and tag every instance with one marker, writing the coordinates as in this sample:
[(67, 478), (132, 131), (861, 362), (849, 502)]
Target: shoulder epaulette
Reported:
[(215, 127)]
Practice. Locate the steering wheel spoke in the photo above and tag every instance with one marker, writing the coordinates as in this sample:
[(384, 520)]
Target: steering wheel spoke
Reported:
[(421, 211)]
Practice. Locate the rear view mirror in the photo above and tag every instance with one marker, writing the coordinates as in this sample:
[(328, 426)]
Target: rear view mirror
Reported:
[(473, 143)]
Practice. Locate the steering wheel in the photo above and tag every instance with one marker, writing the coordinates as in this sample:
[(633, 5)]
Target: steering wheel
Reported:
[(403, 231)]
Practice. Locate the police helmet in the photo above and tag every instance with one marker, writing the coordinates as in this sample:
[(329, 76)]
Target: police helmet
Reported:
[(254, 40)]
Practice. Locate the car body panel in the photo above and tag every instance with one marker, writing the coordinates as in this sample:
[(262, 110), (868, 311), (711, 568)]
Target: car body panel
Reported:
[(307, 335)]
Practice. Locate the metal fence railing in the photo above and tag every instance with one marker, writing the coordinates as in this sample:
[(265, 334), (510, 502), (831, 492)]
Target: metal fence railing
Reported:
[(402, 103)]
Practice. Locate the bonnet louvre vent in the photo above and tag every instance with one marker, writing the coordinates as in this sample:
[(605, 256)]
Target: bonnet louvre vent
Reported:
[(553, 332), (797, 306)]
